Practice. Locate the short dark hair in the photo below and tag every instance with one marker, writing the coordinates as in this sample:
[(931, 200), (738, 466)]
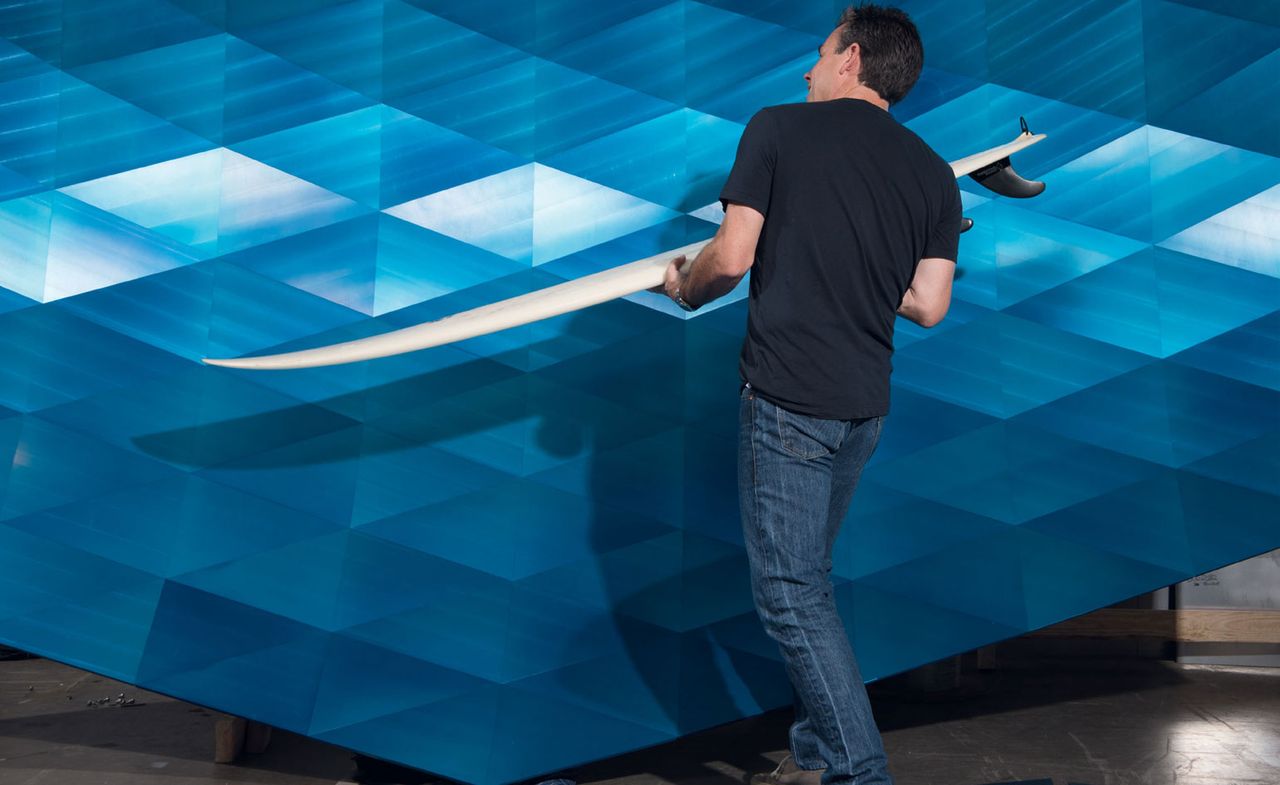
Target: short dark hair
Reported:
[(892, 54)]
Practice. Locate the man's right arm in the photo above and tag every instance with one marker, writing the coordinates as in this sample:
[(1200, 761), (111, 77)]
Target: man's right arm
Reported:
[(929, 296)]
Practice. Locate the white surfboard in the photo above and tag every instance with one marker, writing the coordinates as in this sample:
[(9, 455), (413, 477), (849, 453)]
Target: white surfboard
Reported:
[(553, 301)]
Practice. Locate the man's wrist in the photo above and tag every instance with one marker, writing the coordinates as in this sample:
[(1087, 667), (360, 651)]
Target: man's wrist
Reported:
[(680, 301)]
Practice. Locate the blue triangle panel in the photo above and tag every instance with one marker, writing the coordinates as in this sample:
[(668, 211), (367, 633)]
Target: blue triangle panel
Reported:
[(522, 552)]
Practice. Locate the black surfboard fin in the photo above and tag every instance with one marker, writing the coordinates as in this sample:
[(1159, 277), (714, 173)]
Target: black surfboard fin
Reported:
[(1001, 178), (965, 225)]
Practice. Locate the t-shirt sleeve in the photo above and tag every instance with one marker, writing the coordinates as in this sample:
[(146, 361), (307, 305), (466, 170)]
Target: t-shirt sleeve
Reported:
[(751, 180), (944, 239)]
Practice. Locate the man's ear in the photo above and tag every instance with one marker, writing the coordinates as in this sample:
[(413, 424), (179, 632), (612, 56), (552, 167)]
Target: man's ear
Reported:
[(852, 62)]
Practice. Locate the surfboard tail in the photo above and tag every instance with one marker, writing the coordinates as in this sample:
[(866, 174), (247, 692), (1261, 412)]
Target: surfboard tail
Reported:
[(999, 176)]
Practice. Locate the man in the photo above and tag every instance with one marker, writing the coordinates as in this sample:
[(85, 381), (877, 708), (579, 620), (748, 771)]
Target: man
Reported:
[(846, 217)]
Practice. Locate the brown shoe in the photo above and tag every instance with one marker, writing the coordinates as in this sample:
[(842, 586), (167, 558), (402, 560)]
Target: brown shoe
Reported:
[(788, 773)]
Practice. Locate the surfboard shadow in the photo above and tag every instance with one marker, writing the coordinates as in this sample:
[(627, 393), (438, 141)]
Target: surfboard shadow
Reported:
[(675, 682)]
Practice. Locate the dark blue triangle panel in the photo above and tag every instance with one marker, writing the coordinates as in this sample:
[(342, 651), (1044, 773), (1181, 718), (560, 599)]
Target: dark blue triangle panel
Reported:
[(521, 552)]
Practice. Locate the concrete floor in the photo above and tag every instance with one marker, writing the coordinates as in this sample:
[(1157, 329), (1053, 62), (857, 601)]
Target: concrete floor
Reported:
[(1100, 721)]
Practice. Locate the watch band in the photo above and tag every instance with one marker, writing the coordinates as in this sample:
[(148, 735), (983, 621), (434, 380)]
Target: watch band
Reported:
[(680, 300)]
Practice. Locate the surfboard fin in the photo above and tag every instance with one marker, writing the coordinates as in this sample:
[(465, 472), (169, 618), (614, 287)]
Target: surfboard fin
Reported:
[(965, 225), (1001, 178)]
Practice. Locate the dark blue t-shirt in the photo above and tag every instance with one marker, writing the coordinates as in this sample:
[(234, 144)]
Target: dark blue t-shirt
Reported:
[(852, 201)]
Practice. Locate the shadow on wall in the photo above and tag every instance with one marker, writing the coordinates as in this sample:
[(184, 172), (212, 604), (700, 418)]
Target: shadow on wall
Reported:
[(667, 667)]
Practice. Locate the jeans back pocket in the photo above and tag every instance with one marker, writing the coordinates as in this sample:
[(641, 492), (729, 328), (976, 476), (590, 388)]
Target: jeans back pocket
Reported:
[(808, 437)]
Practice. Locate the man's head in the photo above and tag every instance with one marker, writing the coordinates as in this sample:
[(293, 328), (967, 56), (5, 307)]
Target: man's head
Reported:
[(872, 48)]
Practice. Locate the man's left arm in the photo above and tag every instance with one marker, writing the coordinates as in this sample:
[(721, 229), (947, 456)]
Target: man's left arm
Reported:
[(722, 262)]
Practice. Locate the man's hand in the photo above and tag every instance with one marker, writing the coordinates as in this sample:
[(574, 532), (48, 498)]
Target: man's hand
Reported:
[(675, 275), (721, 263)]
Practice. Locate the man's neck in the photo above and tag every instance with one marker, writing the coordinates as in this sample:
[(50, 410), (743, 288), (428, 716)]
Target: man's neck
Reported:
[(864, 93)]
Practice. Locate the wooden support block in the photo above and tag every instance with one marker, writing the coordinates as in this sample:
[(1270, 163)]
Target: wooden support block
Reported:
[(1241, 625), (256, 737), (233, 736), (228, 738)]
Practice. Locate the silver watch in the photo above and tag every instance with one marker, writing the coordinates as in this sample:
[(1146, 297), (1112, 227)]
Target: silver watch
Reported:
[(680, 300)]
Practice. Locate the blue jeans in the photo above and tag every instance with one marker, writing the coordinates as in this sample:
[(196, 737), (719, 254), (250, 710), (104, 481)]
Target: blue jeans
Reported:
[(796, 477)]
